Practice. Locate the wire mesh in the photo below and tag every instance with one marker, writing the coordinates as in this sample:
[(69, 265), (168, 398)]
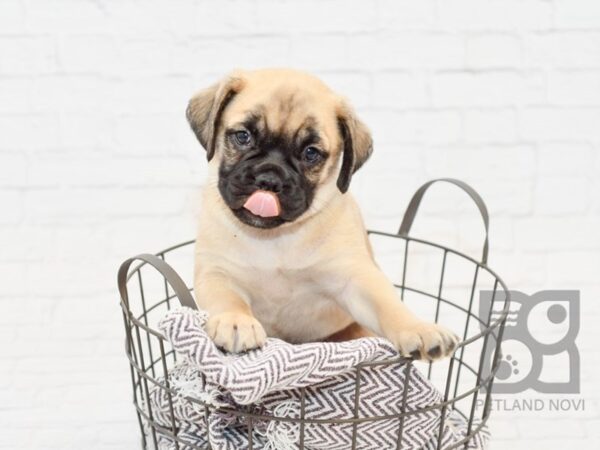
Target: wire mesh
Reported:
[(460, 378)]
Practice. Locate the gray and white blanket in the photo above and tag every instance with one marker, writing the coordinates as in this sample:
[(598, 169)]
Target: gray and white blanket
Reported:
[(269, 381)]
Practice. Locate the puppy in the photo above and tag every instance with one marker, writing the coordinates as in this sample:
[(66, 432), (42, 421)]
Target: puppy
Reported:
[(281, 247)]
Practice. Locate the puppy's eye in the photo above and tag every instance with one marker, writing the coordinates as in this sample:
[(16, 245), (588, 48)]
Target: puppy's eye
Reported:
[(311, 155), (242, 137)]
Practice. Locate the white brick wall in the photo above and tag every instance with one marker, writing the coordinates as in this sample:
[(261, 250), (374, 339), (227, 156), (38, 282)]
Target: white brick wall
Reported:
[(97, 164)]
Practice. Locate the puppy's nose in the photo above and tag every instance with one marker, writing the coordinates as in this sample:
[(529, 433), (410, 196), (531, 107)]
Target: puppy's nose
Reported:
[(268, 181)]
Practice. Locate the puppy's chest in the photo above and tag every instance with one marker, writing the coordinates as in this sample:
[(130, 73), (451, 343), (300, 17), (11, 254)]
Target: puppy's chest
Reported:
[(284, 260), (294, 304), (280, 280)]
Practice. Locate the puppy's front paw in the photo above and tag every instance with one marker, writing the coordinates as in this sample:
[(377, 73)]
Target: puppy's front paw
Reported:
[(423, 340), (236, 332)]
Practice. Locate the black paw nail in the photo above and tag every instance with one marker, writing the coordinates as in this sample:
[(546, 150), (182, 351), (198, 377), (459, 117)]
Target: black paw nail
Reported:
[(451, 345), (435, 352), (415, 354)]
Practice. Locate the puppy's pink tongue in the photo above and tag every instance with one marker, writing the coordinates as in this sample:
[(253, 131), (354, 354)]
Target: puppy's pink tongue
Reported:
[(263, 204)]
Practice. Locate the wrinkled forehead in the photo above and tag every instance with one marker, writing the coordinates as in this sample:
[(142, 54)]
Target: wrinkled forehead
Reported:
[(286, 111)]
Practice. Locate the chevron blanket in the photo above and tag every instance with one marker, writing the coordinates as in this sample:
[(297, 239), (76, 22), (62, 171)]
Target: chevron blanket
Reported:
[(269, 382)]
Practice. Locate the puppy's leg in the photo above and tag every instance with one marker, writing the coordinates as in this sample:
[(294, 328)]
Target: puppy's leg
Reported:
[(231, 323), (352, 331), (373, 302)]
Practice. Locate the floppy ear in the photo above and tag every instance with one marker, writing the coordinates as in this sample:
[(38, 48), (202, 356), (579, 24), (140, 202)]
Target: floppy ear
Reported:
[(357, 145), (205, 109)]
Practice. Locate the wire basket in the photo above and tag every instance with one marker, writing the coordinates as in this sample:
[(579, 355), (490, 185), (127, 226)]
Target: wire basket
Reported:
[(434, 280)]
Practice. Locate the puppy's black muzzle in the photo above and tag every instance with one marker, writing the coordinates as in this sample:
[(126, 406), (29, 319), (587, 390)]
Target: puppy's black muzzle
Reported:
[(271, 172)]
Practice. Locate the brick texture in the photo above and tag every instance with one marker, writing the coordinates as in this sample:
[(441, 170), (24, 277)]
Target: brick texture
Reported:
[(97, 164)]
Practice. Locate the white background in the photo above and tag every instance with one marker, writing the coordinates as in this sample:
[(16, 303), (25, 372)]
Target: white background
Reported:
[(97, 164)]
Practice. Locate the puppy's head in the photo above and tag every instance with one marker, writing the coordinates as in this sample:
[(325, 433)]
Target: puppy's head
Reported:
[(284, 143)]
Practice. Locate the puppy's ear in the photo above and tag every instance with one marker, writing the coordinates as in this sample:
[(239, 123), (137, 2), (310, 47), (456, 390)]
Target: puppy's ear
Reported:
[(357, 145), (205, 109)]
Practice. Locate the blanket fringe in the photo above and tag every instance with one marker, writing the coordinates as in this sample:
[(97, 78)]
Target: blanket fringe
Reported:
[(190, 385), (283, 435)]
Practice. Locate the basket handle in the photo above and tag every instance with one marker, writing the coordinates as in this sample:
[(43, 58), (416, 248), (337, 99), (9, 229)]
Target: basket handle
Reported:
[(413, 206), (174, 280)]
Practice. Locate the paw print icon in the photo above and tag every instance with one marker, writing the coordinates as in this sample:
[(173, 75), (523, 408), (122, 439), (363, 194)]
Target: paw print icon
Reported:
[(539, 351)]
